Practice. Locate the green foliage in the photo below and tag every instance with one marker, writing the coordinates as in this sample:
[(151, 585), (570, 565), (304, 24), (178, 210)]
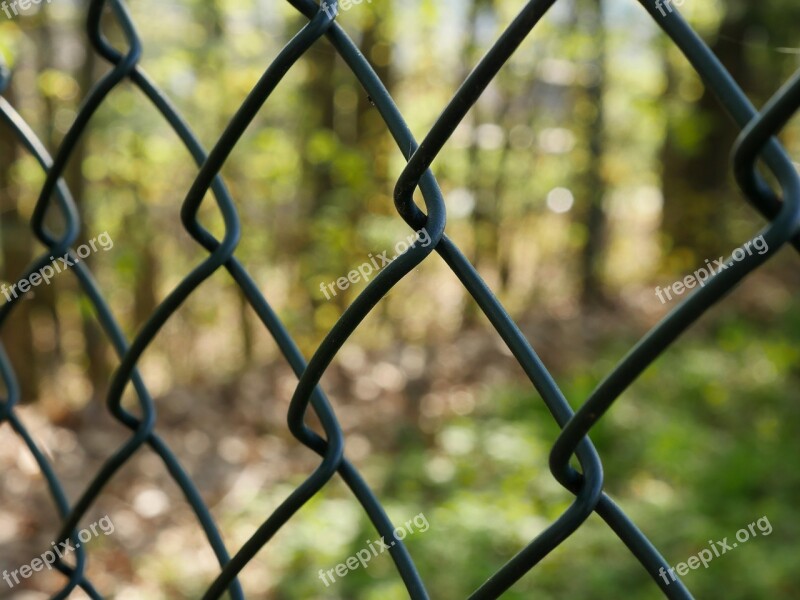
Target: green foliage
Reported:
[(700, 446), (696, 450)]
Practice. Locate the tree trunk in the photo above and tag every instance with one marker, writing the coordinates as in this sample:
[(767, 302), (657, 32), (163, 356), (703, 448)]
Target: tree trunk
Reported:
[(594, 181), (696, 176)]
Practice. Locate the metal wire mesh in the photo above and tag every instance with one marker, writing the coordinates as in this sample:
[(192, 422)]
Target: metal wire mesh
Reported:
[(755, 142)]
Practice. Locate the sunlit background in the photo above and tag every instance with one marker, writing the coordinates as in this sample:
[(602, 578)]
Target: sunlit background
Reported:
[(593, 169)]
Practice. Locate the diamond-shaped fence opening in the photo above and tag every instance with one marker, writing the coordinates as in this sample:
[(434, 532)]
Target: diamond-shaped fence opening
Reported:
[(755, 142)]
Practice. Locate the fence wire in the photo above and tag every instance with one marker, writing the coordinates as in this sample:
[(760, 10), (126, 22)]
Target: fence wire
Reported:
[(755, 142)]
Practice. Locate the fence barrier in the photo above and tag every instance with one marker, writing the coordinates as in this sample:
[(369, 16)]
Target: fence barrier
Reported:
[(782, 211)]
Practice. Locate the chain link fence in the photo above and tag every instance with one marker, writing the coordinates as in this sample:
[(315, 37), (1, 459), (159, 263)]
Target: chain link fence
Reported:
[(781, 209)]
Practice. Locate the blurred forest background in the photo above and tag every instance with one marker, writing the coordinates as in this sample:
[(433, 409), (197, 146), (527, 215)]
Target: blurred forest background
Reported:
[(593, 169)]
